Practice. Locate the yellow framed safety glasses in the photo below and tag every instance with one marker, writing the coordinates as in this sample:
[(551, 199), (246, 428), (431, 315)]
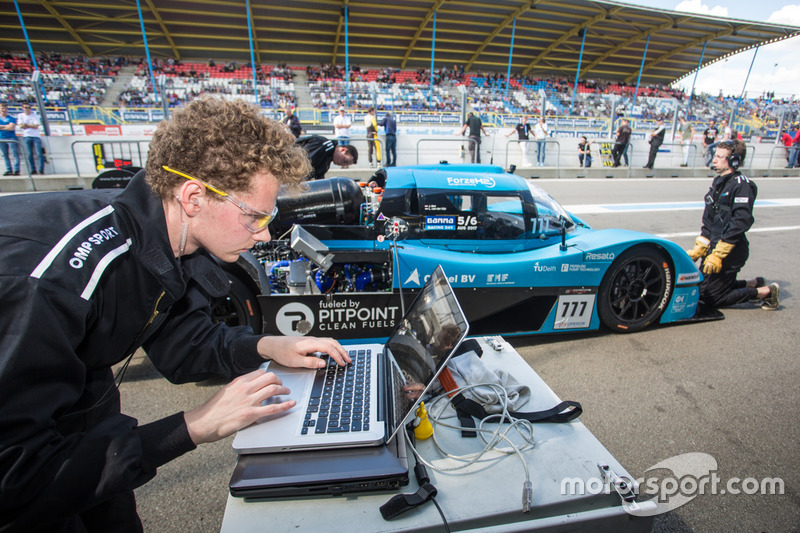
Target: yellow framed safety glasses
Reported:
[(252, 219)]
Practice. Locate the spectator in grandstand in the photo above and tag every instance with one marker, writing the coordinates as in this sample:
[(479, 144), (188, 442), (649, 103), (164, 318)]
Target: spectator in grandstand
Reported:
[(710, 135), (372, 133), (29, 122), (656, 139), (687, 133), (540, 132), (585, 152), (341, 126), (292, 123), (475, 128), (621, 142), (70, 459), (722, 245), (322, 152), (390, 129), (523, 130), (8, 141)]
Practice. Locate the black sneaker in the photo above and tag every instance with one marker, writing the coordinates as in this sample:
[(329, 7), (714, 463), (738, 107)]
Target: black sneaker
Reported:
[(772, 301), (7, 173), (16, 172)]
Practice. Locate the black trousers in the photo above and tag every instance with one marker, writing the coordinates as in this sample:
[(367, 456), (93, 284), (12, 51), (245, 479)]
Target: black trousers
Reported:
[(617, 151), (723, 289), (653, 153)]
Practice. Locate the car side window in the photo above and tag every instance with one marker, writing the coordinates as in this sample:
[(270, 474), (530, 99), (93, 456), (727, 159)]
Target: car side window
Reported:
[(472, 216)]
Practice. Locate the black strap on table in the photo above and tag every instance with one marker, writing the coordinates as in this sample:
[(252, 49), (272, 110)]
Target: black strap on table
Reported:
[(401, 503), (466, 409)]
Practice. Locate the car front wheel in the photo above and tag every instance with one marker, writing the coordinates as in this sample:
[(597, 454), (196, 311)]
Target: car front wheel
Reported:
[(635, 290)]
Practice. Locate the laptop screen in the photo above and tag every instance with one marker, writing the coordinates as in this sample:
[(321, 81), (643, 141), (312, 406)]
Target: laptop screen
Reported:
[(421, 345)]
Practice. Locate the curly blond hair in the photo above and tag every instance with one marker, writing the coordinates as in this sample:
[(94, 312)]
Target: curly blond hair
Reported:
[(224, 143)]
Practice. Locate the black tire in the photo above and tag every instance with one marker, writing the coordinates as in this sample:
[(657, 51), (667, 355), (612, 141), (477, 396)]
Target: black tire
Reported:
[(239, 308), (635, 290)]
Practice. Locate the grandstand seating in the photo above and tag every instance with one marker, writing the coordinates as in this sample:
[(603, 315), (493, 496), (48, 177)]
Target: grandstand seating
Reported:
[(77, 80)]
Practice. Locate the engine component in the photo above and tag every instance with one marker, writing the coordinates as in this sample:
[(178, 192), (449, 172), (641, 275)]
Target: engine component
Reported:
[(328, 201)]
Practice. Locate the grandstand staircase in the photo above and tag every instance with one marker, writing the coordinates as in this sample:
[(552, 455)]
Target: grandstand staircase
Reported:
[(120, 83), (302, 93)]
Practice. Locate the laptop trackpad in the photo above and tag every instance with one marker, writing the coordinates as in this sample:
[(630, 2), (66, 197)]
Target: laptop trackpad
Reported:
[(295, 382)]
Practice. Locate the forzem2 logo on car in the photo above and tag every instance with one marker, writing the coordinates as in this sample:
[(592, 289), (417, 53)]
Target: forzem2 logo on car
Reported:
[(471, 182)]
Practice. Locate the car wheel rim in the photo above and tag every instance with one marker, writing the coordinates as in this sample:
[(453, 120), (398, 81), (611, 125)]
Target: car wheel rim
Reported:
[(637, 289)]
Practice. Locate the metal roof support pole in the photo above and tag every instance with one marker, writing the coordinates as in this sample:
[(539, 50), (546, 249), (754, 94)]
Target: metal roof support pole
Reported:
[(696, 72), (578, 73), (641, 68), (744, 87), (35, 70), (147, 49), (510, 55), (25, 33), (346, 57), (252, 53), (433, 54)]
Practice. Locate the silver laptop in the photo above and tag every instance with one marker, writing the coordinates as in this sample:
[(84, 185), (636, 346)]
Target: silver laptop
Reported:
[(366, 402)]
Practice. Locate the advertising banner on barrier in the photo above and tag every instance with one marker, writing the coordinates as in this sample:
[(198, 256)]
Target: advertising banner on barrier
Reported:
[(102, 129), (57, 116)]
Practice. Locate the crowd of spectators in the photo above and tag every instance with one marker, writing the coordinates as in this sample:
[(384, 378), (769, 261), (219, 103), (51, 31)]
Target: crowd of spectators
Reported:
[(66, 79), (79, 80)]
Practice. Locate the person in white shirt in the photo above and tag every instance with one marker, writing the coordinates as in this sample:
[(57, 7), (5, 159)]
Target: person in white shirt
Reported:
[(371, 123), (28, 122), (341, 126), (540, 132)]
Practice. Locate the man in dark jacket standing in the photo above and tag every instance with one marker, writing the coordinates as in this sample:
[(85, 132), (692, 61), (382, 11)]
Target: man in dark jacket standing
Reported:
[(475, 127), (293, 123), (86, 278), (722, 245), (656, 139), (621, 144)]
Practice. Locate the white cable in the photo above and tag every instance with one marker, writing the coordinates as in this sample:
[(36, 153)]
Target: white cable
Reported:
[(523, 427)]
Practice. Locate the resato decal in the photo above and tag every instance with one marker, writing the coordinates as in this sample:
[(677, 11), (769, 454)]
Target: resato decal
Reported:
[(605, 256)]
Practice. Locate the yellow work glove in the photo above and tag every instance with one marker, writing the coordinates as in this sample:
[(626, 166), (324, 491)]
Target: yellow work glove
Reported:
[(713, 262), (700, 248)]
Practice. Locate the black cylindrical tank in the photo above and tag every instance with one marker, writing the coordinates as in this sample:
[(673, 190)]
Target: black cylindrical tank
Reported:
[(326, 201)]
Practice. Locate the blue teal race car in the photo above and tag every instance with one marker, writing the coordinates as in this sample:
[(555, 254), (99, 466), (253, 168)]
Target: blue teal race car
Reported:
[(345, 257)]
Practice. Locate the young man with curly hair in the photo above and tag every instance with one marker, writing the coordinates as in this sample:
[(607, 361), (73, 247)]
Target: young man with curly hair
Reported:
[(88, 277)]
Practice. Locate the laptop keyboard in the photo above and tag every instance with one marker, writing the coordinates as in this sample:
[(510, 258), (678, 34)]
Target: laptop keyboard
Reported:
[(340, 396)]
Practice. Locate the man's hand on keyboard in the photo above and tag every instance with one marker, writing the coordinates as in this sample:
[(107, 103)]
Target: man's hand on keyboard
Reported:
[(298, 351), (236, 405)]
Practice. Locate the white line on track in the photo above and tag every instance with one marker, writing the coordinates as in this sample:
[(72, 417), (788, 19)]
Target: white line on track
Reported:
[(751, 230), (594, 209)]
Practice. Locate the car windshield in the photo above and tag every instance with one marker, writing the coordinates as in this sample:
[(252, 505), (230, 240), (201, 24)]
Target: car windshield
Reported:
[(550, 216)]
